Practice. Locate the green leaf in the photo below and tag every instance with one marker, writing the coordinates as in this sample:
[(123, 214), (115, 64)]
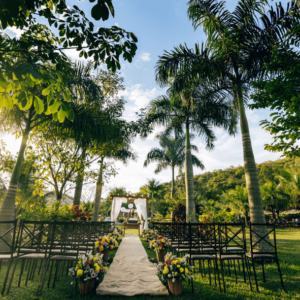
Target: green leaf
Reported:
[(2, 101), (54, 108), (70, 115), (46, 91), (38, 105), (61, 116), (8, 102), (67, 96), (26, 103), (50, 96)]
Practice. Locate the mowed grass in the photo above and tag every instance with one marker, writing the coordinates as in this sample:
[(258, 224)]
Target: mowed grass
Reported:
[(288, 248)]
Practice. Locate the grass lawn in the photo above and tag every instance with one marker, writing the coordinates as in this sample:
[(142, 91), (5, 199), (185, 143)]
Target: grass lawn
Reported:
[(288, 247)]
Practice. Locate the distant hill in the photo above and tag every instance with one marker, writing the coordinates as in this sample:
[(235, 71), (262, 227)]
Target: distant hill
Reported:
[(212, 184)]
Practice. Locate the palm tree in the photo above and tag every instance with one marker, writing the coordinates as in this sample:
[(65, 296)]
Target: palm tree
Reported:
[(123, 155), (195, 108), (238, 48), (151, 188), (237, 201), (274, 198), (171, 155)]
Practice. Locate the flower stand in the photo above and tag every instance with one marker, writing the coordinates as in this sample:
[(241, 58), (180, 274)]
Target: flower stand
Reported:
[(161, 255), (175, 287), (86, 287), (105, 255)]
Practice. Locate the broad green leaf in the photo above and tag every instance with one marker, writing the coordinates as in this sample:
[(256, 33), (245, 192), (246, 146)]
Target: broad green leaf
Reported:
[(2, 101), (26, 103), (38, 105), (67, 96), (70, 115), (54, 108), (50, 96), (47, 90), (8, 102), (61, 116)]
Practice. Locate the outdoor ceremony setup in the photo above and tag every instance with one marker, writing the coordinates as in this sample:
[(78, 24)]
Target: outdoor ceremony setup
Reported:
[(149, 149)]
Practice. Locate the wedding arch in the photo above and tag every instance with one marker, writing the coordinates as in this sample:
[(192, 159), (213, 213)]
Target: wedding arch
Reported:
[(141, 204)]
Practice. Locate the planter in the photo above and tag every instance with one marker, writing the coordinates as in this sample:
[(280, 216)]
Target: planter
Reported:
[(86, 287), (105, 255), (175, 287), (161, 255)]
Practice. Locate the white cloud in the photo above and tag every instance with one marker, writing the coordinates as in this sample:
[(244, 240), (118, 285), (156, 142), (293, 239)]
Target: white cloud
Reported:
[(13, 32), (137, 97), (144, 56)]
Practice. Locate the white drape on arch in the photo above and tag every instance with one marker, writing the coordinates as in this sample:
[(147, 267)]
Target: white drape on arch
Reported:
[(116, 207), (141, 207)]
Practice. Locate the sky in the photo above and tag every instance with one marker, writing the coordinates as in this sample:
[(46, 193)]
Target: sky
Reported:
[(160, 25)]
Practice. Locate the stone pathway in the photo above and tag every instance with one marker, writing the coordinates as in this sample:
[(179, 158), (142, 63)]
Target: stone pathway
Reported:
[(131, 273)]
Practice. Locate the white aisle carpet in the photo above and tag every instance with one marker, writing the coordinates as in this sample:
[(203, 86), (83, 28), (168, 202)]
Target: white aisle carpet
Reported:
[(131, 273)]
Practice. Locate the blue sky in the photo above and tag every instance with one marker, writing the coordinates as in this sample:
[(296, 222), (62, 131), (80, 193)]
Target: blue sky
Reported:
[(160, 25)]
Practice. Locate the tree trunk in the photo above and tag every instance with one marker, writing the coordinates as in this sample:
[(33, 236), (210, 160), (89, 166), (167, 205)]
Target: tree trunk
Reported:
[(189, 178), (251, 175), (79, 181), (152, 207), (99, 185), (7, 210), (173, 184), (246, 221)]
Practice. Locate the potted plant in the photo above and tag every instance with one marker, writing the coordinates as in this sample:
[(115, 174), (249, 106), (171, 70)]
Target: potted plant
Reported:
[(160, 244), (174, 270), (104, 244), (89, 267)]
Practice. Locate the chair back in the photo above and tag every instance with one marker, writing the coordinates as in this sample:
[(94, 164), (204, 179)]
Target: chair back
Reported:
[(8, 236), (34, 236), (232, 239), (262, 239)]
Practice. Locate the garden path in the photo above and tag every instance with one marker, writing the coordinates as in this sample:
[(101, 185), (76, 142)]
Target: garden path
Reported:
[(131, 273)]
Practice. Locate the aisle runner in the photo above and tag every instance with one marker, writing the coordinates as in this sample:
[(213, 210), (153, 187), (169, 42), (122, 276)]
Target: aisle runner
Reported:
[(131, 273)]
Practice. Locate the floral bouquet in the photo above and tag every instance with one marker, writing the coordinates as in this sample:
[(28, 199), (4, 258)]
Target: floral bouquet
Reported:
[(150, 236), (116, 236), (159, 243), (88, 267), (146, 231), (174, 268), (105, 243), (119, 230)]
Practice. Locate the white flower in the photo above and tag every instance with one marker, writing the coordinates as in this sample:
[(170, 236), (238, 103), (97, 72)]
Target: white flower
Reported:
[(169, 275), (173, 279)]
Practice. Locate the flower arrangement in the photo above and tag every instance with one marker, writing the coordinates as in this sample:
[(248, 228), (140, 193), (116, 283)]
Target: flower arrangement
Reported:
[(105, 243), (119, 230), (174, 268), (77, 214), (146, 231), (88, 267), (160, 243), (150, 236), (116, 236)]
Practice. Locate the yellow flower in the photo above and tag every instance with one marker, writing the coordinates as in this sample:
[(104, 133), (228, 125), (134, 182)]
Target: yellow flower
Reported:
[(97, 244), (166, 271), (96, 267), (111, 247), (181, 270), (101, 248), (116, 243), (178, 266), (166, 268), (179, 258), (162, 240), (79, 272), (176, 273), (105, 268), (186, 271), (175, 262), (79, 263), (166, 258)]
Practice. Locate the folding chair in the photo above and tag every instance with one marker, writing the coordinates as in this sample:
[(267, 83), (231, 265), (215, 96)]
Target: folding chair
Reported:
[(7, 246), (263, 247)]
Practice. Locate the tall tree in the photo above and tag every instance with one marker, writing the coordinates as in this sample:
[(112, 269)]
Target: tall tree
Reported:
[(239, 47), (171, 155), (195, 108), (151, 189)]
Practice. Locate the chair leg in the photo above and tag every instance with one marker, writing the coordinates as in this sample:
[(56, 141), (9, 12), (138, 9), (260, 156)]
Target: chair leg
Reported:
[(42, 262), (28, 271), (208, 266), (244, 270), (277, 262), (12, 276), (6, 276), (217, 268), (228, 267), (203, 268), (248, 273), (21, 272), (239, 265), (43, 276), (49, 279), (222, 269), (253, 264), (263, 269), (235, 271), (214, 266)]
